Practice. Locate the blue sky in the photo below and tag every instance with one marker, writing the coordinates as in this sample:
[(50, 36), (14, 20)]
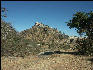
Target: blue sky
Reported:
[(24, 14)]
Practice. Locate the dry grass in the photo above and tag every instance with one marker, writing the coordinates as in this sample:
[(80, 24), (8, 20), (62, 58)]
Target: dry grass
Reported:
[(51, 62)]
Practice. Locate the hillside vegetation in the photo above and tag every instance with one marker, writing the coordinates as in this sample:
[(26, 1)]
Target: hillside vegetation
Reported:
[(37, 39)]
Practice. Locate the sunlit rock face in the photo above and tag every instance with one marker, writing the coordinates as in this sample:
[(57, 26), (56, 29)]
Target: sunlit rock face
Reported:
[(39, 24)]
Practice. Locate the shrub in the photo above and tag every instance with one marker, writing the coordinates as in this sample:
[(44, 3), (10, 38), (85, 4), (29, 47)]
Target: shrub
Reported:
[(85, 46), (8, 37)]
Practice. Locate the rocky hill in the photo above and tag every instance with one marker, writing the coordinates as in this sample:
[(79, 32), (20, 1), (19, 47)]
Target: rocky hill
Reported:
[(44, 36), (39, 38)]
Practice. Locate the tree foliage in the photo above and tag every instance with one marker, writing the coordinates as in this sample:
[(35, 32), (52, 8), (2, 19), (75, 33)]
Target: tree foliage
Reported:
[(3, 12), (83, 23)]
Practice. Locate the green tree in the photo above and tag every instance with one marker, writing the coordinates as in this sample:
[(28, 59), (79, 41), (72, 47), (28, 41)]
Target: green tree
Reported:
[(83, 23)]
